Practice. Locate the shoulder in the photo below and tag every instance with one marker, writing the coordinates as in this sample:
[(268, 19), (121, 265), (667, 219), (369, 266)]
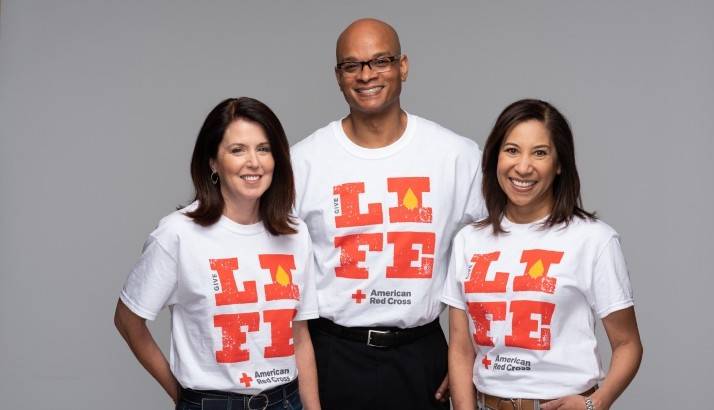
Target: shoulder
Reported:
[(175, 224), (312, 141), (592, 229), (472, 232), (299, 240), (442, 135)]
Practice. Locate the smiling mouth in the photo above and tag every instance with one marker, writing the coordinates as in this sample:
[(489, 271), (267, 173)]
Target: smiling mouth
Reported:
[(369, 91), (250, 178), (522, 184)]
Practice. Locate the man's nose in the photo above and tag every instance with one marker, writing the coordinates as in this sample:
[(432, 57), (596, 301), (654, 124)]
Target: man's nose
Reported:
[(366, 73)]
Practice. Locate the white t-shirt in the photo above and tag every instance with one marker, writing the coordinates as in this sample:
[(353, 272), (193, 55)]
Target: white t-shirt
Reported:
[(532, 296), (381, 220), (234, 291)]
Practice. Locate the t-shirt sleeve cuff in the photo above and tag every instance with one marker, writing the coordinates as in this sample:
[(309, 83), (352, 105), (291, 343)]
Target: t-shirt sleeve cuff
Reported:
[(306, 315), (615, 307), (459, 304), (134, 307)]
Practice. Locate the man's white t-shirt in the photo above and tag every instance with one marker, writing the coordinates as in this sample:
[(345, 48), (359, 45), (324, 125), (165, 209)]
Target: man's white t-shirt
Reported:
[(234, 291), (382, 220), (532, 297)]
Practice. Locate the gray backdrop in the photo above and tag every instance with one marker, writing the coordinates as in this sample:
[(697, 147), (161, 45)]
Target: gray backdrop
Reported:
[(100, 103)]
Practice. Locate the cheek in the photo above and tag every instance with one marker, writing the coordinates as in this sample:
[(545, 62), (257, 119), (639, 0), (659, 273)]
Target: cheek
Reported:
[(269, 164), (501, 167)]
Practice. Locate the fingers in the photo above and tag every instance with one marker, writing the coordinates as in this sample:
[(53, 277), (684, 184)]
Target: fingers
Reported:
[(552, 405), (442, 393)]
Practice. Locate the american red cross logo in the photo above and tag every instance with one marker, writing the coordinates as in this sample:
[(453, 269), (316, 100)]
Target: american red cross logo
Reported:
[(246, 379), (358, 296), (485, 361)]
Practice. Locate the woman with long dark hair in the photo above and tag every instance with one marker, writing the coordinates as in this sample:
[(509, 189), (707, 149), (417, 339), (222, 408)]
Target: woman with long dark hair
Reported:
[(236, 270), (526, 284)]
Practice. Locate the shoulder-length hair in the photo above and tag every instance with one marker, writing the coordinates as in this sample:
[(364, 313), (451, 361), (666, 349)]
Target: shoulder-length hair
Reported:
[(566, 185), (277, 201)]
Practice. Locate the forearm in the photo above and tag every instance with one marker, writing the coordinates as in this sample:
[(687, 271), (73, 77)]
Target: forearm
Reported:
[(461, 362), (624, 337), (461, 378), (147, 352), (623, 366), (307, 369)]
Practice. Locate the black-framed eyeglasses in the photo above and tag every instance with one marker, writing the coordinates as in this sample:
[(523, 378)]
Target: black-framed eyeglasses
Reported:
[(378, 65)]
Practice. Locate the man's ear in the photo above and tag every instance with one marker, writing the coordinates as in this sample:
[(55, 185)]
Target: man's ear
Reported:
[(404, 67)]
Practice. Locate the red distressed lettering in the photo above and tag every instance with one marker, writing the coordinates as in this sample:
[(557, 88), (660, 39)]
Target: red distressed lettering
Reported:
[(281, 267), (351, 255), (479, 312), (229, 294), (535, 277), (233, 335), (409, 199), (477, 282), (281, 332), (522, 324), (405, 254), (349, 205)]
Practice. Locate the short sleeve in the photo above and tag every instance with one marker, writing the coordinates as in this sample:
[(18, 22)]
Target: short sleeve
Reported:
[(610, 290), (307, 307), (152, 282), (474, 209), (453, 294)]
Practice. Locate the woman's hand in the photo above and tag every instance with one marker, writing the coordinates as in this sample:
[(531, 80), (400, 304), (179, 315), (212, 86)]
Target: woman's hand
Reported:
[(573, 402)]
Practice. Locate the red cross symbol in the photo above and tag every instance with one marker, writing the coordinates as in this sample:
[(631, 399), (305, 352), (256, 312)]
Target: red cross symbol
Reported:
[(485, 361), (358, 296), (246, 379)]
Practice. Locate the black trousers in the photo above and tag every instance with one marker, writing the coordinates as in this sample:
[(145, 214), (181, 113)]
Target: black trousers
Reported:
[(354, 376)]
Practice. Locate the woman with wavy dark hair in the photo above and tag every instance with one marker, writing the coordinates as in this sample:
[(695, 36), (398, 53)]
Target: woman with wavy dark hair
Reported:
[(236, 270), (526, 284)]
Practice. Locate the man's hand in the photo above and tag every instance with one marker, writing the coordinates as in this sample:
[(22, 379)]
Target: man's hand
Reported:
[(442, 393)]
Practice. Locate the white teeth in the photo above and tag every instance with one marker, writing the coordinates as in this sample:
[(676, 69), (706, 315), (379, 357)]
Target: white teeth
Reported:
[(251, 178), (521, 183), (369, 91)]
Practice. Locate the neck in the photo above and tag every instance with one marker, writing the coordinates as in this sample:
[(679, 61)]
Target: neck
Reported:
[(526, 215), (243, 212), (375, 130)]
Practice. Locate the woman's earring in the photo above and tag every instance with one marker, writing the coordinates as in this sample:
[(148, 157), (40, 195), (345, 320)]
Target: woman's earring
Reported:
[(214, 177)]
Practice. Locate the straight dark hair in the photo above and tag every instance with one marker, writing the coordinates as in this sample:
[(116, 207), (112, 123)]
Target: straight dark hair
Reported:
[(566, 185), (277, 202)]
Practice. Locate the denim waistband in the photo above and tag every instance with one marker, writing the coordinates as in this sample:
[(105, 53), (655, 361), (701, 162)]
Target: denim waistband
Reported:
[(216, 398)]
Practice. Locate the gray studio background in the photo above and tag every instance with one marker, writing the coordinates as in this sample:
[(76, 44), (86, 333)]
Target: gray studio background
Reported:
[(100, 103)]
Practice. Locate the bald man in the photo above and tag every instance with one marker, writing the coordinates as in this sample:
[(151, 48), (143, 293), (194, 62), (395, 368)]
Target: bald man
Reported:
[(382, 192)]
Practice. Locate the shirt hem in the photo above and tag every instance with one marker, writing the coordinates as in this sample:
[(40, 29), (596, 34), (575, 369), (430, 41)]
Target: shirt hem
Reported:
[(135, 308), (306, 316), (615, 307), (454, 302)]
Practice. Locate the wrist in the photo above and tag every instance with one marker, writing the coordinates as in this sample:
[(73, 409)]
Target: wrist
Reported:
[(598, 403)]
